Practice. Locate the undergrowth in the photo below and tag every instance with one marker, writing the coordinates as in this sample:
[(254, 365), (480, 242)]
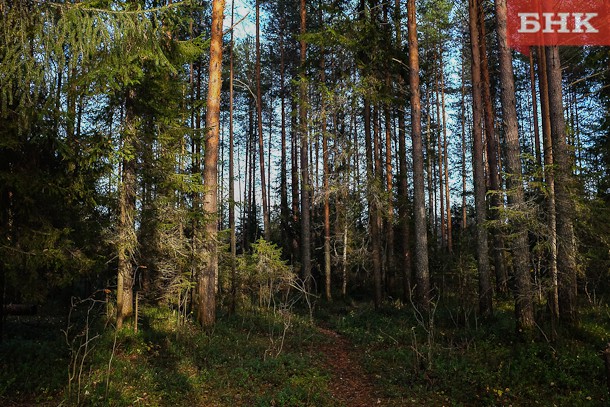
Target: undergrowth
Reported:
[(167, 363), (477, 364), (256, 358)]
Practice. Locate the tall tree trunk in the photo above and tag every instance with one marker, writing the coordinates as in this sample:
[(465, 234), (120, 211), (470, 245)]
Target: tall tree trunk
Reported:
[(440, 159), (429, 167), (422, 274), (566, 246), (403, 190), (206, 283), (390, 269), (497, 202), (446, 160), (537, 152), (326, 187), (233, 240), (305, 209), (259, 120), (372, 167), (463, 122), (524, 312), (284, 208), (127, 242), (295, 132), (485, 291), (549, 179)]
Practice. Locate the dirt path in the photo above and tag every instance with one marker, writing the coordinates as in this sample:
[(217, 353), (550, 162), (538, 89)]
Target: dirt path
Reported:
[(350, 385)]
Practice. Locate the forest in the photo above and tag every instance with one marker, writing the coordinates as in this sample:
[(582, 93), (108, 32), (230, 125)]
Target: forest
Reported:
[(300, 203)]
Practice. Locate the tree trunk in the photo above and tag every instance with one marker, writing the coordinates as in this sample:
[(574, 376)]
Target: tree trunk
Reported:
[(524, 312), (127, 210), (566, 246), (390, 269), (446, 161), (326, 175), (440, 158), (206, 283), (295, 132), (259, 120), (485, 291), (233, 240), (422, 275), (305, 209), (284, 208), (463, 122), (497, 201), (537, 152), (403, 190), (549, 178)]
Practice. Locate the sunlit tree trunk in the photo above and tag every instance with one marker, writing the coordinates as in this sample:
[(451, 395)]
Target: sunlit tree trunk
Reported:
[(127, 240), (422, 275), (485, 291), (206, 281), (497, 201)]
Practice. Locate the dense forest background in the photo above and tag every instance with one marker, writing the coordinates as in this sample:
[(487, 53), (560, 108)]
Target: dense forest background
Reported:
[(383, 161)]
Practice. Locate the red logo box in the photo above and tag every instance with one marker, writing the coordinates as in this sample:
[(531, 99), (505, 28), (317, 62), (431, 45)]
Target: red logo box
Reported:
[(557, 22)]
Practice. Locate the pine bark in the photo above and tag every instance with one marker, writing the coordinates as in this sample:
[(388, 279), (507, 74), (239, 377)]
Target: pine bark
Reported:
[(497, 201), (305, 187), (566, 246), (127, 211), (524, 312), (422, 274), (284, 208), (403, 190), (206, 282), (549, 179), (485, 290), (446, 161), (325, 185)]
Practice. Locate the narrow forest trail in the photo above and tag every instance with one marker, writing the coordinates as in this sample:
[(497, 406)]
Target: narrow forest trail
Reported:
[(349, 384)]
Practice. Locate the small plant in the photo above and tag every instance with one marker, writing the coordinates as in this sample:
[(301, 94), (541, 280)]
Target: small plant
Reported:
[(80, 338)]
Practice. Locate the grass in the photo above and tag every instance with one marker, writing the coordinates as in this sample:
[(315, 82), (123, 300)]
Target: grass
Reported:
[(247, 361), (239, 363), (487, 364)]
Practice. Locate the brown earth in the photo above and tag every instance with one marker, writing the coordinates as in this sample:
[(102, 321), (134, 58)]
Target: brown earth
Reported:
[(350, 385)]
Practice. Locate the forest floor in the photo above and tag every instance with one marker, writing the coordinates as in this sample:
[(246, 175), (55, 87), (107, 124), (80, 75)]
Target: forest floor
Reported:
[(349, 383), (346, 355)]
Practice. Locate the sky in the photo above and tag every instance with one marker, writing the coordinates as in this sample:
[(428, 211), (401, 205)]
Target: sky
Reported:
[(242, 9)]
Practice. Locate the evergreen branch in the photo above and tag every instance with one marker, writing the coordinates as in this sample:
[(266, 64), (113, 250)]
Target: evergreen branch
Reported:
[(120, 12)]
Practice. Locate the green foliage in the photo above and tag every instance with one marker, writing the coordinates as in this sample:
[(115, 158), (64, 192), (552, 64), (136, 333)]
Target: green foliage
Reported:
[(480, 365), (262, 275), (169, 364)]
